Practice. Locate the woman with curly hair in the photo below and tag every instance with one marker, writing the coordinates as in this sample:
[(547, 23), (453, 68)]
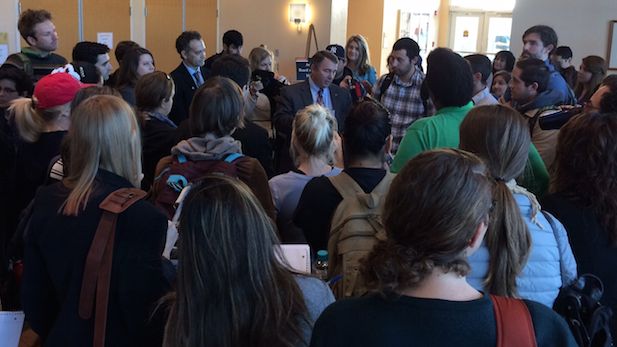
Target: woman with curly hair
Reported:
[(584, 197), (435, 215)]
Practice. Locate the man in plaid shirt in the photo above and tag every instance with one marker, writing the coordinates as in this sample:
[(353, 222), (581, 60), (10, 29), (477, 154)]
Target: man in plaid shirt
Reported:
[(402, 97)]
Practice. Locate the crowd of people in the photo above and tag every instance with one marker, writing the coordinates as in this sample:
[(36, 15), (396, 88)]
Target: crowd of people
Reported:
[(439, 196)]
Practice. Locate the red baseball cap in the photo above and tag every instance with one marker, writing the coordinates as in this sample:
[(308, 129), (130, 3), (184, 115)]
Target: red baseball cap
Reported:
[(55, 90)]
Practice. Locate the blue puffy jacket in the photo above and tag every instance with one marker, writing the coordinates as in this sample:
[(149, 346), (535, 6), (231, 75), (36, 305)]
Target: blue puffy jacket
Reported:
[(551, 263)]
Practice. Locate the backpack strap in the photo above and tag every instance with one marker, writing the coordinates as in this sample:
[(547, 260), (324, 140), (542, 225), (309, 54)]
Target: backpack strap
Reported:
[(97, 270), (230, 158), (533, 120), (386, 84), (514, 325), (27, 64), (345, 185)]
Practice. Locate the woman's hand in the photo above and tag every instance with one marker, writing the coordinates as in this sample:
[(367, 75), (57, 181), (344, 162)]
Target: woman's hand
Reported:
[(345, 82)]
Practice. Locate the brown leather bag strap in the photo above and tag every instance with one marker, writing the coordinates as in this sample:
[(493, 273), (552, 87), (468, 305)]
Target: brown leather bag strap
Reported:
[(514, 325), (97, 270)]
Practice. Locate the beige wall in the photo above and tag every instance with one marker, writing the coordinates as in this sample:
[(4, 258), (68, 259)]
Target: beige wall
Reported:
[(582, 27), (443, 21), (8, 23), (366, 18), (338, 25), (267, 22)]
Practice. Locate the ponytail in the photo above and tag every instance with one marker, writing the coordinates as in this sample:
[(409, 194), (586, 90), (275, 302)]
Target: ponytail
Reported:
[(31, 121), (508, 241), (27, 119)]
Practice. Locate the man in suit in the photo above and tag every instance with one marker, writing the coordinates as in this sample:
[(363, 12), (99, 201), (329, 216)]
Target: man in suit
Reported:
[(317, 89), (254, 138), (189, 75)]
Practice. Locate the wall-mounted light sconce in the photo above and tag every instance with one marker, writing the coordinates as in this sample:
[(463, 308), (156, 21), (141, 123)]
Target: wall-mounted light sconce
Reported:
[(298, 13)]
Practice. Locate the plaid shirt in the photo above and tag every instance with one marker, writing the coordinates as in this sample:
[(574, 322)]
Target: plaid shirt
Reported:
[(404, 103)]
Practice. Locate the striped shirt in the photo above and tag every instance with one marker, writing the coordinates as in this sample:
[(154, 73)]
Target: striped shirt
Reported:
[(41, 65), (404, 103)]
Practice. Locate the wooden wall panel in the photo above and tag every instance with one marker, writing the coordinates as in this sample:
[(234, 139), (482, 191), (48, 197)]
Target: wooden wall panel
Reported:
[(66, 19), (163, 26), (201, 17), (107, 16)]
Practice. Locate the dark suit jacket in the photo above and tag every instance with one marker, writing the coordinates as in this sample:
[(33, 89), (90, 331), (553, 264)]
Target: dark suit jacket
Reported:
[(185, 89), (293, 99)]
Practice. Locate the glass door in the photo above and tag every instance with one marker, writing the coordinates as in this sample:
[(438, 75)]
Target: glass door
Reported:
[(479, 32), (466, 29)]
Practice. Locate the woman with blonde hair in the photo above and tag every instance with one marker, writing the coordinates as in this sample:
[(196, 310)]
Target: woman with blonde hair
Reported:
[(265, 87), (232, 288), (435, 216), (41, 122), (105, 156), (313, 142), (506, 264), (590, 75), (359, 62)]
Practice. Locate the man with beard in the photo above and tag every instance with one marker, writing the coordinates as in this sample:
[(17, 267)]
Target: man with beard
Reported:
[(529, 87), (401, 95), (539, 41), (37, 60)]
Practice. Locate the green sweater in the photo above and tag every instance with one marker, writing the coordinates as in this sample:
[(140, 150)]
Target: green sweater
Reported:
[(441, 130), (40, 66)]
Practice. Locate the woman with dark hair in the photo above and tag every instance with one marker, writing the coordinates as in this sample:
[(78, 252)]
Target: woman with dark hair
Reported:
[(500, 83), (583, 197), (14, 84), (216, 112), (590, 75), (435, 215), (504, 60), (105, 156), (366, 143), (232, 288), (154, 96), (136, 62), (506, 264)]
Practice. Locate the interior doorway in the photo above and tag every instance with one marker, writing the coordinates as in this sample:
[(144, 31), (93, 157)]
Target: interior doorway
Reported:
[(479, 32)]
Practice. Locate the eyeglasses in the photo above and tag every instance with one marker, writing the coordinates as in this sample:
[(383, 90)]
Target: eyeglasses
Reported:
[(589, 107), (8, 90), (379, 104)]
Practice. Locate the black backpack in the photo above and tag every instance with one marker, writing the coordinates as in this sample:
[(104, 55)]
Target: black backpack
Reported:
[(588, 320)]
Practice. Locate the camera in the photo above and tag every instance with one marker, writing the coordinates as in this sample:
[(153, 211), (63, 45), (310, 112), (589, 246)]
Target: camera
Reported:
[(558, 119)]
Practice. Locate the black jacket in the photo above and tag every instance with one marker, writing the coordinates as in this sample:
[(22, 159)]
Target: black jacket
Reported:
[(185, 89), (56, 247)]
